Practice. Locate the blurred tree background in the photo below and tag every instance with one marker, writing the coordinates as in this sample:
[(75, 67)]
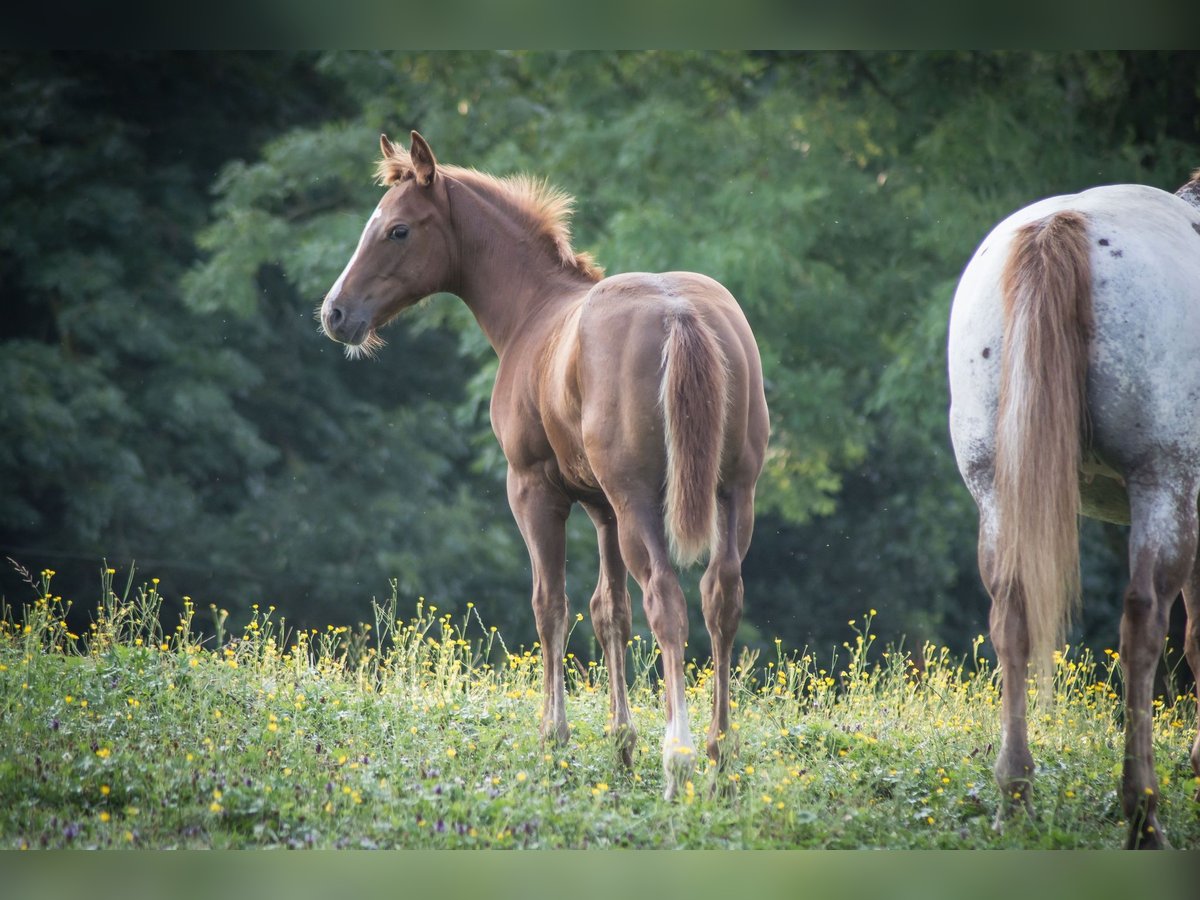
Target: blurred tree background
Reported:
[(171, 221)]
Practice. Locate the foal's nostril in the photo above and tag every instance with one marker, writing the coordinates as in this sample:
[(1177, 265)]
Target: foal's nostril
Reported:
[(334, 316)]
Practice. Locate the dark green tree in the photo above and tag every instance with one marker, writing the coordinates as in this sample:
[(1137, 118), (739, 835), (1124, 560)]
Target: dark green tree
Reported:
[(221, 452), (171, 222)]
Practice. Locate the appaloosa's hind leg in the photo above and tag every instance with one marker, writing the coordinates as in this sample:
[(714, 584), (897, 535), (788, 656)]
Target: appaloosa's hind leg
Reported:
[(721, 594), (1162, 553), (612, 621), (644, 549), (1191, 647), (541, 512), (1014, 768)]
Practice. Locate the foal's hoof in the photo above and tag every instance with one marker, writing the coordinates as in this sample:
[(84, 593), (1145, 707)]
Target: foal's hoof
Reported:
[(723, 787), (722, 747), (678, 765), (624, 740)]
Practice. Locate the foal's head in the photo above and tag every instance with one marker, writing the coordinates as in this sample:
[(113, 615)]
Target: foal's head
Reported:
[(406, 252)]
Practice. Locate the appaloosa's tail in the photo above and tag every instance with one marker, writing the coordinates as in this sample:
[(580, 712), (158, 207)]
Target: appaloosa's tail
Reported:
[(693, 398), (1040, 429)]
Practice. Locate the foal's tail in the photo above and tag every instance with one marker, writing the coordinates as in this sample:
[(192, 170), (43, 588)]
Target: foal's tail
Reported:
[(693, 394), (1047, 289)]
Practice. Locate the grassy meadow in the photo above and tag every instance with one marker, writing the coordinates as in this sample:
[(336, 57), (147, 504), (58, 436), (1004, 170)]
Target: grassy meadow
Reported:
[(419, 730)]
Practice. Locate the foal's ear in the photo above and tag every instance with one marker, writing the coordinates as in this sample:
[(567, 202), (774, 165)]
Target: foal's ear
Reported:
[(386, 147), (424, 164)]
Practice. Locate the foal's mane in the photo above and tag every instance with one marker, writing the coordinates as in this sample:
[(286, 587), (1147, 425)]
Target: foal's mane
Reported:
[(547, 209)]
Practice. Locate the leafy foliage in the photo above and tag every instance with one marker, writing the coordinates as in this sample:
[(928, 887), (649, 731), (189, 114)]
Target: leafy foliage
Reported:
[(165, 395)]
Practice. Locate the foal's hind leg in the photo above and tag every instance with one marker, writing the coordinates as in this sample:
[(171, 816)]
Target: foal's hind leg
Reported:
[(541, 513), (612, 620), (1014, 766), (644, 549), (721, 593), (1162, 553)]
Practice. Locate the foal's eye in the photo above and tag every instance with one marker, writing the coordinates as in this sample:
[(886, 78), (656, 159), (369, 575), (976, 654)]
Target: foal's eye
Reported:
[(398, 232)]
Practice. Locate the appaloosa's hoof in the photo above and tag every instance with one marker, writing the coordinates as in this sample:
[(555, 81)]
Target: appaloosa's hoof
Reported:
[(555, 735), (1014, 799), (1148, 836)]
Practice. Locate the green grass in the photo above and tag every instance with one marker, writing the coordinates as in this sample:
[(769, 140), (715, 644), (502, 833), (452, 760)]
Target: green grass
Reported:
[(422, 733)]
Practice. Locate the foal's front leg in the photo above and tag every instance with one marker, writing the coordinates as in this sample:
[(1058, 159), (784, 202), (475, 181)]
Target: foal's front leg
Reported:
[(541, 512), (612, 621)]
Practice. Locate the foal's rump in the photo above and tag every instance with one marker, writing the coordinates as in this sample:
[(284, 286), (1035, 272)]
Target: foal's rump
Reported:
[(667, 371)]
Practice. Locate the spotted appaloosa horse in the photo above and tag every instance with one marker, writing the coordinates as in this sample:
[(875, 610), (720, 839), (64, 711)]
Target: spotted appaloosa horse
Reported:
[(639, 396), (1074, 341)]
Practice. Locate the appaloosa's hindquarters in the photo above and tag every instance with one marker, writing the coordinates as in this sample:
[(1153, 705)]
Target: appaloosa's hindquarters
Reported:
[(1070, 341)]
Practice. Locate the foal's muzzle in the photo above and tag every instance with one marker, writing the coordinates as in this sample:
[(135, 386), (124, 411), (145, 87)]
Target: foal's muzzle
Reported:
[(347, 327)]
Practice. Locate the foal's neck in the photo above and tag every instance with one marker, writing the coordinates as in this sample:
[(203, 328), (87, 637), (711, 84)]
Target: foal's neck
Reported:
[(508, 276)]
